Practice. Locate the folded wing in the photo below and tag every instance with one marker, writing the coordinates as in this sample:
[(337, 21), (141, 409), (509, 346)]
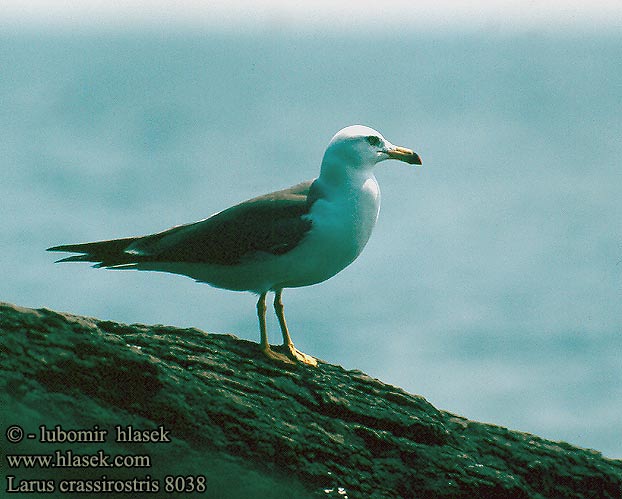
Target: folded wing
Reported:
[(273, 223)]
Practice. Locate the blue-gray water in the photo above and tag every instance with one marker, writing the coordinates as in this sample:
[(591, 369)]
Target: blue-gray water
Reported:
[(493, 282)]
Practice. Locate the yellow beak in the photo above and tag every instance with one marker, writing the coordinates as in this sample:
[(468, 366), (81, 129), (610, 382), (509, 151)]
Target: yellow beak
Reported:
[(404, 154)]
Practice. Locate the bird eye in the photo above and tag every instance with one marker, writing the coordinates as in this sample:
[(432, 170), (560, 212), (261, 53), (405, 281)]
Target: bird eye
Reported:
[(373, 140)]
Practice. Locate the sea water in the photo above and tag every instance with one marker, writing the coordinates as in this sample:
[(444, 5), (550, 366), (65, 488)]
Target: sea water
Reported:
[(493, 282)]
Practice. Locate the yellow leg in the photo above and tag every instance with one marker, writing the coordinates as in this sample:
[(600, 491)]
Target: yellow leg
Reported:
[(287, 339), (265, 346)]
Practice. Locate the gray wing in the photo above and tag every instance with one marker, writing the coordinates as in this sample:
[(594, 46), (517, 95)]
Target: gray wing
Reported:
[(273, 223)]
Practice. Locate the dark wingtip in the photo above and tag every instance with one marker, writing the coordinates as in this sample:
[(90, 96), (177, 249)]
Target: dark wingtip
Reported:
[(104, 253), (74, 258), (62, 247), (69, 248)]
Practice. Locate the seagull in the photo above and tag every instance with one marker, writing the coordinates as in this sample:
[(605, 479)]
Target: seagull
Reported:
[(290, 238)]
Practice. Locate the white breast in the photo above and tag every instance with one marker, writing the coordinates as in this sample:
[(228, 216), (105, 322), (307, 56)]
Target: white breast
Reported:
[(342, 222), (346, 217)]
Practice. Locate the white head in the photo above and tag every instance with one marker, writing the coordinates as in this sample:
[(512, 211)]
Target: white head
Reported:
[(361, 147)]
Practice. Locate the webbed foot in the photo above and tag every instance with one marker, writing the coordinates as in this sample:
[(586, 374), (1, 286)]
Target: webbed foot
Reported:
[(300, 356)]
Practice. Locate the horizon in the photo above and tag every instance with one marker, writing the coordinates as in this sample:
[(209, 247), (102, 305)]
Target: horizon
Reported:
[(238, 16)]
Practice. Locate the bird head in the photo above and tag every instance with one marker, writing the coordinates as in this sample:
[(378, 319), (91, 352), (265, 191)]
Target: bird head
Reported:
[(362, 147)]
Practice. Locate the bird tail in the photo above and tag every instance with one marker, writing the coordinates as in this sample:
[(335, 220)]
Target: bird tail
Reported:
[(110, 253)]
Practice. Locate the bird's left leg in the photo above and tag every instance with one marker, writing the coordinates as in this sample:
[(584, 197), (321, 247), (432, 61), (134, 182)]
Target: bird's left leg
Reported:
[(265, 346), (287, 340)]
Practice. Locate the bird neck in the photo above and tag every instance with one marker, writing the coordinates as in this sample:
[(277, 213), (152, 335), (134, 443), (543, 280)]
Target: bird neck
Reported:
[(340, 174)]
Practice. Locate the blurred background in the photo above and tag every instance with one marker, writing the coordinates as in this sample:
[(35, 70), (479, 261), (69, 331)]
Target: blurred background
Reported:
[(493, 282)]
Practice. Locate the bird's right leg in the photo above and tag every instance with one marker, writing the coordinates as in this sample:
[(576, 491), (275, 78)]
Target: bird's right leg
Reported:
[(265, 346)]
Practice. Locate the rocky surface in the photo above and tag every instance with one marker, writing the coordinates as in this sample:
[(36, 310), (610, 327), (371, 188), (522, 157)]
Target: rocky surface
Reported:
[(254, 428)]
